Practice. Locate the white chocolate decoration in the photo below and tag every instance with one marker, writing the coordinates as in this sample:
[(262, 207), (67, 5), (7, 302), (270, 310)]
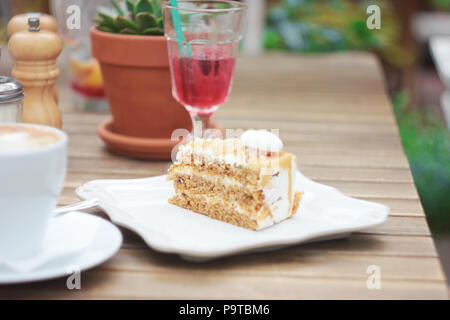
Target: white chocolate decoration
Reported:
[(262, 140)]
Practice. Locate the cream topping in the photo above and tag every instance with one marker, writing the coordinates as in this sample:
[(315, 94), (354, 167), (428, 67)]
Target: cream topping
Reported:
[(262, 140)]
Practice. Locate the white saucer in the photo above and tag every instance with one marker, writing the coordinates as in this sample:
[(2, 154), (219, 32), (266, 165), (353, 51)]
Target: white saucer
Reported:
[(141, 205), (106, 240)]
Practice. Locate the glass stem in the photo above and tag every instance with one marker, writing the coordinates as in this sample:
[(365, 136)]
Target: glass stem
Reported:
[(200, 123)]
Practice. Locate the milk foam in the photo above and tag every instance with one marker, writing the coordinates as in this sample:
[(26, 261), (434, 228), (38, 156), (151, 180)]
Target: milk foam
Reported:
[(15, 139)]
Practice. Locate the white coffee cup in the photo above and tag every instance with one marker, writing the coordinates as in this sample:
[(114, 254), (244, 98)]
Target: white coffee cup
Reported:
[(32, 173)]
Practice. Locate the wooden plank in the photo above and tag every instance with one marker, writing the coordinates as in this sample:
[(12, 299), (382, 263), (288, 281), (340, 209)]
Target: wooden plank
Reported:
[(357, 174), (400, 207), (305, 75), (402, 225), (358, 244), (105, 284), (118, 163), (375, 189), (301, 264), (346, 104)]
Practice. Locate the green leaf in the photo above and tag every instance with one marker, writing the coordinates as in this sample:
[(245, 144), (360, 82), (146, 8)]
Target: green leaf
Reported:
[(130, 5), (118, 7), (123, 23), (106, 29), (108, 21), (128, 31), (142, 6), (99, 20), (146, 20), (153, 31), (157, 11), (160, 22), (107, 11)]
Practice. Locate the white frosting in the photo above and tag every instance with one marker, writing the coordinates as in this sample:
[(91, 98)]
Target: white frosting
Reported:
[(206, 155), (265, 223), (17, 141), (262, 140), (237, 152), (277, 195), (226, 181)]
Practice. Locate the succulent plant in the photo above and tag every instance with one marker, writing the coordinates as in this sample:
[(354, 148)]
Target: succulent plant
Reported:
[(143, 17)]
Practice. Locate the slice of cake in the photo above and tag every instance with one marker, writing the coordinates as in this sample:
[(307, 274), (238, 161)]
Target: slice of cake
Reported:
[(248, 182)]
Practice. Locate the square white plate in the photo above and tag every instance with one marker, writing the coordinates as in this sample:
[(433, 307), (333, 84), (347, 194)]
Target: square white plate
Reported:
[(141, 205)]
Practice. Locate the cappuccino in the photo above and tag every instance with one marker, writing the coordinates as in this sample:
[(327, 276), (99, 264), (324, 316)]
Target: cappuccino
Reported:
[(33, 162), (15, 138)]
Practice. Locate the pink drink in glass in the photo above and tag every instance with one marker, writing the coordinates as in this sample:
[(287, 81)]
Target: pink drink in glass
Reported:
[(203, 81), (203, 41)]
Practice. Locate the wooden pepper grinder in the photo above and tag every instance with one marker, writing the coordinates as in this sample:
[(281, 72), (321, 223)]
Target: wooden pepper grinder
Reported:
[(20, 23), (34, 53)]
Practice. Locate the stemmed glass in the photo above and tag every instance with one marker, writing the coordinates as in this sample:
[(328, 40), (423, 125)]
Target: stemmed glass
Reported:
[(203, 42)]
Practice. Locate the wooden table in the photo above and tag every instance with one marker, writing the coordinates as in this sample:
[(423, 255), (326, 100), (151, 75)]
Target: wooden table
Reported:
[(333, 112)]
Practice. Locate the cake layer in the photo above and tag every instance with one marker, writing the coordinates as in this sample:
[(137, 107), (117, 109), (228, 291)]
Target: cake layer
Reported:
[(205, 174), (214, 208), (229, 212), (225, 174), (198, 185), (193, 181), (232, 182)]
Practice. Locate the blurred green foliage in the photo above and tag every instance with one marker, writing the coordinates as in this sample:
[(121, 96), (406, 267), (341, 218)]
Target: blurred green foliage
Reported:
[(335, 25), (440, 4), (427, 144)]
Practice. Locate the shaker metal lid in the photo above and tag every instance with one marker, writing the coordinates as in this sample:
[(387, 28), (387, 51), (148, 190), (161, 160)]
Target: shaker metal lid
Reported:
[(34, 24), (10, 90)]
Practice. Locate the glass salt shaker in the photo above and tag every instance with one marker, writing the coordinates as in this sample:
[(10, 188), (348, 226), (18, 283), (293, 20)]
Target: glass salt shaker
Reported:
[(11, 100)]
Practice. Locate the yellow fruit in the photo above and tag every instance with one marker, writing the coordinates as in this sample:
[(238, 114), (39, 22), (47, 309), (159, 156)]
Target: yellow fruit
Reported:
[(87, 73)]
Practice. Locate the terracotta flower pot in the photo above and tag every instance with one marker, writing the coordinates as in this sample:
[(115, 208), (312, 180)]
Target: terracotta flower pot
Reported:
[(137, 83)]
